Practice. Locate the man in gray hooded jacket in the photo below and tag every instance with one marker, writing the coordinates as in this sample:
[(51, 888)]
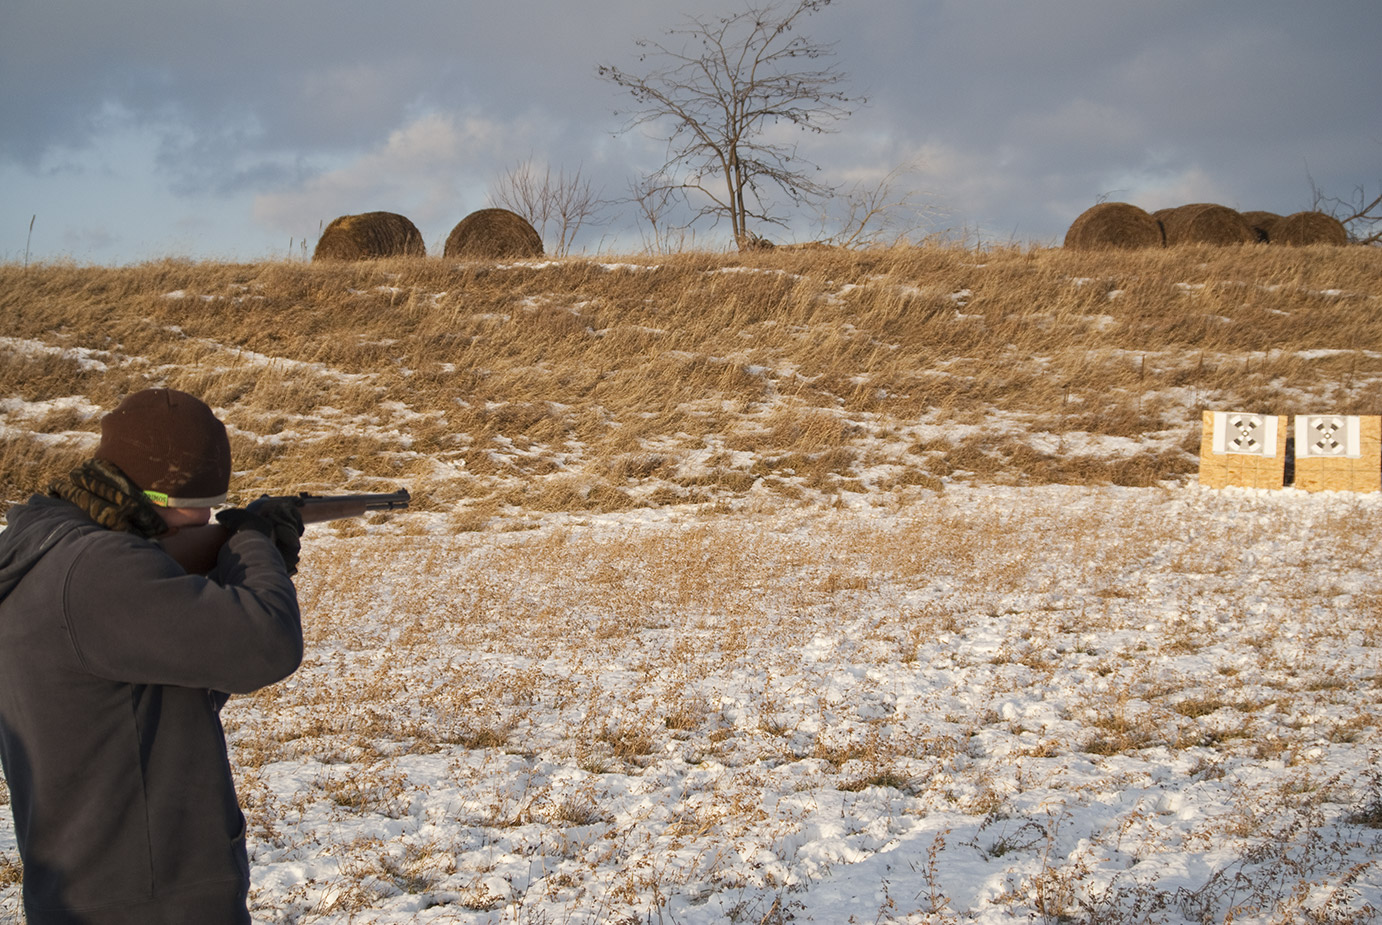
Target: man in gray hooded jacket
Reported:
[(115, 663)]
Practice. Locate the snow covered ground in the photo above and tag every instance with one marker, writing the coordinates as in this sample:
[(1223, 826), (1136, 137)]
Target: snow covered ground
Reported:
[(862, 699), (984, 704)]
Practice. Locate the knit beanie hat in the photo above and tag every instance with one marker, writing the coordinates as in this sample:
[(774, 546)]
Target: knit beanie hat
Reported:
[(171, 445)]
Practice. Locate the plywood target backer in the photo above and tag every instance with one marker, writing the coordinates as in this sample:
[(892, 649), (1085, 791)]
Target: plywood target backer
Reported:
[(1243, 449), (1338, 452)]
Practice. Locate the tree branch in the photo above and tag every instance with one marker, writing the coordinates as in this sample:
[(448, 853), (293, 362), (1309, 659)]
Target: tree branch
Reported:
[(717, 92)]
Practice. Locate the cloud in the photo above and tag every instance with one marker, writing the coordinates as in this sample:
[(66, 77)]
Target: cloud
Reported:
[(1020, 114), (90, 238), (312, 76), (1082, 125), (421, 170)]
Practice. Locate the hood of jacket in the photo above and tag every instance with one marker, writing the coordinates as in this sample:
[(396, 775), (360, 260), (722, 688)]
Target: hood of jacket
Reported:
[(34, 528)]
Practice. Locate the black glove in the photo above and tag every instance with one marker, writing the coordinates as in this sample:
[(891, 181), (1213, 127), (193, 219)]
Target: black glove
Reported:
[(277, 518)]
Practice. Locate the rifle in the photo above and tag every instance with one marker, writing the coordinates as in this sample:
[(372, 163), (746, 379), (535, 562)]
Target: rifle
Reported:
[(196, 548)]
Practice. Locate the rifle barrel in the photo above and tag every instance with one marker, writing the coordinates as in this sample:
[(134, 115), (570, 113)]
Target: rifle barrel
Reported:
[(321, 508), (196, 548)]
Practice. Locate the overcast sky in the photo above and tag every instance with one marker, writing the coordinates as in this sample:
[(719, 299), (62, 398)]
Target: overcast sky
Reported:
[(228, 129)]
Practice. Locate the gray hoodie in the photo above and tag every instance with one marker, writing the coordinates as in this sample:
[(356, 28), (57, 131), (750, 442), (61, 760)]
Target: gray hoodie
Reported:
[(114, 664)]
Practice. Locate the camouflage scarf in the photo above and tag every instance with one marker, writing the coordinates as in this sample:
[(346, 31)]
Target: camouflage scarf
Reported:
[(110, 499)]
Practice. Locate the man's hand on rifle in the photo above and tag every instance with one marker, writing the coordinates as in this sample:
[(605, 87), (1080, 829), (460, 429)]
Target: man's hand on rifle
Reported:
[(277, 518), (280, 518)]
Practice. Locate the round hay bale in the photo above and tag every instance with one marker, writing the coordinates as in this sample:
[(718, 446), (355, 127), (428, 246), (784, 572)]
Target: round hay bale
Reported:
[(1310, 228), (1114, 225), (1206, 223), (1264, 223), (491, 233), (368, 236)]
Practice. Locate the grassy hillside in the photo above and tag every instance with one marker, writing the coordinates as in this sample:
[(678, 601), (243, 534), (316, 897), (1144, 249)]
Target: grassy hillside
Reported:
[(1054, 704), (780, 377)]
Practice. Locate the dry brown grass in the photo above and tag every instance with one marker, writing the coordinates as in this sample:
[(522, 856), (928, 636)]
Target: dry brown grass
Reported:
[(584, 385), (752, 382), (640, 643)]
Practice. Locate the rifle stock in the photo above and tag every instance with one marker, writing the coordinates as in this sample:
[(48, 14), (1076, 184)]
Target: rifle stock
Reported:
[(196, 548)]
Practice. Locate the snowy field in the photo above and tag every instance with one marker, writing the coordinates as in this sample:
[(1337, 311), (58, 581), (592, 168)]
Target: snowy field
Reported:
[(984, 704), (782, 654)]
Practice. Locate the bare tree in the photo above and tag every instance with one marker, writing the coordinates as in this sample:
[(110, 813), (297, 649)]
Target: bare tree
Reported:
[(565, 202), (1360, 215), (719, 86), (884, 211), (652, 202)]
